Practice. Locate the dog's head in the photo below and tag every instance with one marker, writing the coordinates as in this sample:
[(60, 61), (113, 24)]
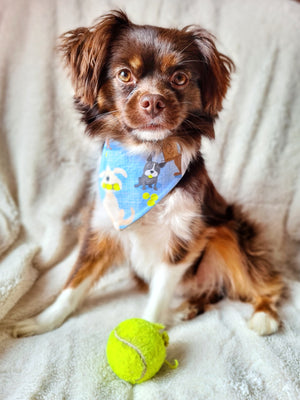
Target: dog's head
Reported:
[(152, 168), (143, 84)]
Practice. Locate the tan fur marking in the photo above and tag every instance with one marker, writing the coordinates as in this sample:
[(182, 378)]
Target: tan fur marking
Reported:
[(136, 62), (97, 254), (101, 99), (187, 251), (168, 61), (225, 244), (242, 280), (263, 305)]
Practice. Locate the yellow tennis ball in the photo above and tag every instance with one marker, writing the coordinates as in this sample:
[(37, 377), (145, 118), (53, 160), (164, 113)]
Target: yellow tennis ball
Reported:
[(136, 349)]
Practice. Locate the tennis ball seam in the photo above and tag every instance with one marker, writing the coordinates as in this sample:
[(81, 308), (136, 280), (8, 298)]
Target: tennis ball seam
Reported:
[(139, 353)]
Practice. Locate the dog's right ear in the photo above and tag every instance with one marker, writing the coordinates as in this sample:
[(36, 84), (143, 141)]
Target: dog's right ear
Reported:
[(85, 52)]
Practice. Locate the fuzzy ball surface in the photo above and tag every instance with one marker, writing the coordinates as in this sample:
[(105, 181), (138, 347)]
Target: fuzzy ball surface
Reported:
[(136, 349)]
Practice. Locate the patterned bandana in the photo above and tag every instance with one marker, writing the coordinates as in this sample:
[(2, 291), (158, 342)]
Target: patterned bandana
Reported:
[(131, 184)]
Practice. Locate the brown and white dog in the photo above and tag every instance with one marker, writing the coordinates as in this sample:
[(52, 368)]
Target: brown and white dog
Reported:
[(151, 89)]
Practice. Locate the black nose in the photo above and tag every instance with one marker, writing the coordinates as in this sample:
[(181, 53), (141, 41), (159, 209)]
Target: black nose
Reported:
[(107, 178), (152, 171), (152, 104)]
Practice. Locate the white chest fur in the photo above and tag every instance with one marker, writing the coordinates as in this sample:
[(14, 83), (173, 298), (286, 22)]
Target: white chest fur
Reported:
[(146, 241)]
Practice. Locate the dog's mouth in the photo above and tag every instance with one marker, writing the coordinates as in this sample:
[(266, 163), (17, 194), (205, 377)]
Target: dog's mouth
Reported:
[(152, 117), (151, 133), (152, 127)]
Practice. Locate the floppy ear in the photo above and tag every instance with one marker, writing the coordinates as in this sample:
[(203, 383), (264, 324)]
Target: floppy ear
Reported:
[(85, 52), (215, 71), (120, 171)]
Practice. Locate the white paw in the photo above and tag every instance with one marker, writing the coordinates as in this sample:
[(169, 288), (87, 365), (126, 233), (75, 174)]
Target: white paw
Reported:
[(185, 312), (175, 316), (28, 327), (263, 324)]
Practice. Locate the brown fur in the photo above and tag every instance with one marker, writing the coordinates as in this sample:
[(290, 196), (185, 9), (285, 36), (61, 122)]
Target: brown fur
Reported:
[(98, 253)]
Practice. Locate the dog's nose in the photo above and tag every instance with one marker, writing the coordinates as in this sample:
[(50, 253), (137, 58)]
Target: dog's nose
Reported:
[(152, 104)]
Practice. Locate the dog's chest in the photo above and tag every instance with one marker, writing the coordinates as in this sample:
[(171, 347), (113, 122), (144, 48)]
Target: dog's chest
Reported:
[(147, 241)]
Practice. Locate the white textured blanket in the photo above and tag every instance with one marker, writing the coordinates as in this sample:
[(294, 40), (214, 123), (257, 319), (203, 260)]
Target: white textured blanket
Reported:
[(45, 165)]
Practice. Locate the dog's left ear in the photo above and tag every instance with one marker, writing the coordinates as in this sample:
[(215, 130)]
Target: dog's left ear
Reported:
[(215, 71), (85, 52)]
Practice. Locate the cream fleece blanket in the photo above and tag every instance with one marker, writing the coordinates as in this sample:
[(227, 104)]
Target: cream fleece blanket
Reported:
[(45, 165)]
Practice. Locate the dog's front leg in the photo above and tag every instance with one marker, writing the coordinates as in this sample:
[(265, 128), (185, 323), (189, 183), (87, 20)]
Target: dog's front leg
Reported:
[(162, 287), (97, 254)]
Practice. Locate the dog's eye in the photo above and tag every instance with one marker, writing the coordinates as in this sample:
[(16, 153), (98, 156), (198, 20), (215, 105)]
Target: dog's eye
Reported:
[(125, 75), (179, 79)]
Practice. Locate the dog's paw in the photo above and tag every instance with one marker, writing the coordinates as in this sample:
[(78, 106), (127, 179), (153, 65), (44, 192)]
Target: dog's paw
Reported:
[(28, 327), (189, 312), (185, 312), (263, 324)]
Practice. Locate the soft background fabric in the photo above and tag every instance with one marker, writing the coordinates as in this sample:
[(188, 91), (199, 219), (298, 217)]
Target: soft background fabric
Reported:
[(45, 168)]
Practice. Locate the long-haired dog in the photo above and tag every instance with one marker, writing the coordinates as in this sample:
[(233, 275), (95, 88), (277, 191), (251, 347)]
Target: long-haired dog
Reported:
[(147, 88)]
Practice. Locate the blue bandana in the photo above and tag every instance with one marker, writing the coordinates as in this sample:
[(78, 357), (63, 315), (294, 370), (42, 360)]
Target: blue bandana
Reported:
[(130, 184)]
